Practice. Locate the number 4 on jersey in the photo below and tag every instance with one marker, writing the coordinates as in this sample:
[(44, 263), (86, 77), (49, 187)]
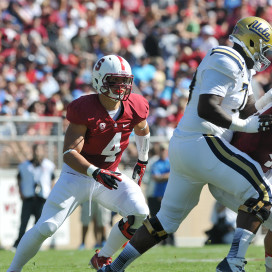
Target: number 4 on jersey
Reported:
[(112, 148)]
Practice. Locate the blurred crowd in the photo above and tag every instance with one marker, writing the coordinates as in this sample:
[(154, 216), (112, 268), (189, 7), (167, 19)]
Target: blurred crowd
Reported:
[(48, 49)]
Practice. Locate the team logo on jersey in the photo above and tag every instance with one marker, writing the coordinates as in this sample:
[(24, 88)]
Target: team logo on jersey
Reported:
[(102, 126), (259, 30)]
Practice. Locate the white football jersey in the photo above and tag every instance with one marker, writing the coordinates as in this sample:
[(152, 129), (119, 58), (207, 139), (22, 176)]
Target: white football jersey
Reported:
[(222, 72)]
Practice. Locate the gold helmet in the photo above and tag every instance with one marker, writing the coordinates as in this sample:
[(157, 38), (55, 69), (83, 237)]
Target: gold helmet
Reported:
[(254, 35)]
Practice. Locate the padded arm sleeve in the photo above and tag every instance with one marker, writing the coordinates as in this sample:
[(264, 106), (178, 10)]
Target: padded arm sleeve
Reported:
[(142, 143)]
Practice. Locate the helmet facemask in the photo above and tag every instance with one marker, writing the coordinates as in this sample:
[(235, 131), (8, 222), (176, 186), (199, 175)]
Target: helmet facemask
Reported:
[(254, 34), (261, 61), (117, 86)]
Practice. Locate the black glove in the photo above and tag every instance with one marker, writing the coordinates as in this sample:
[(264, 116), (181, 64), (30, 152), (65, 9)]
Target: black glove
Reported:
[(138, 171), (265, 122), (107, 178)]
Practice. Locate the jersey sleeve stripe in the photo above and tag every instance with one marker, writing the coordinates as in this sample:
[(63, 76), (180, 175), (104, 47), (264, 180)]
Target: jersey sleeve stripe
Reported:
[(229, 54), (240, 164)]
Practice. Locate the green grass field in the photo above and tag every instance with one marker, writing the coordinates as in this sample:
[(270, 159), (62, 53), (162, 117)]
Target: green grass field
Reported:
[(158, 259)]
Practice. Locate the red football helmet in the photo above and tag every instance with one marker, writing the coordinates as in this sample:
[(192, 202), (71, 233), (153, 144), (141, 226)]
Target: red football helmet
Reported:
[(112, 77)]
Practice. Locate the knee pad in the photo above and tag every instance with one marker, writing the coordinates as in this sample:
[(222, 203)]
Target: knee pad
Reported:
[(256, 207), (155, 228), (47, 229), (129, 225)]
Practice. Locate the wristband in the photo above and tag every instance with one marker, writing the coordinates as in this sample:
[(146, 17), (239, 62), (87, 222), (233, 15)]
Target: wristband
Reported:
[(91, 169), (249, 125), (237, 124), (68, 151)]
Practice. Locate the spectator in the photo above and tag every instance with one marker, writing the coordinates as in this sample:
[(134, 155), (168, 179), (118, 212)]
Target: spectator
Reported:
[(160, 170), (101, 218), (206, 40), (35, 181), (224, 223), (144, 71)]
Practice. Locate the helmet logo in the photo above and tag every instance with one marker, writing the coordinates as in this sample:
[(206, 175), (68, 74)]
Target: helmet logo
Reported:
[(102, 126), (257, 28), (98, 65)]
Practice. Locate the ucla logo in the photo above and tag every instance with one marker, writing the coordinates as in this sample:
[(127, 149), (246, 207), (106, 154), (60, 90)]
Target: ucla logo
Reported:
[(261, 31)]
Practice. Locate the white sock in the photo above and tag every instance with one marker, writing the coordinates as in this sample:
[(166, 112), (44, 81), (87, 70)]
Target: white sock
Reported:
[(27, 248), (114, 242), (268, 261), (126, 257), (241, 241)]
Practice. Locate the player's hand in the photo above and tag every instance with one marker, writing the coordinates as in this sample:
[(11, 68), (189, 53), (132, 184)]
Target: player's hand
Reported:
[(107, 178), (138, 171), (252, 124), (265, 122)]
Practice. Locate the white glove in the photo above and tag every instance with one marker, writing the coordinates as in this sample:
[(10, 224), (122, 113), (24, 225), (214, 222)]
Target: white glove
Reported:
[(249, 125), (252, 124), (264, 100)]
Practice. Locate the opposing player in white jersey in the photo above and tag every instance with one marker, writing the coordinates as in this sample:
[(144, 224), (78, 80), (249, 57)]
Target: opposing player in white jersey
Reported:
[(220, 102), (259, 147), (99, 130)]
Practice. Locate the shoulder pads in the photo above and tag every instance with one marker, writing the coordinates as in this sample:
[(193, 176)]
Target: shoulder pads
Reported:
[(226, 61)]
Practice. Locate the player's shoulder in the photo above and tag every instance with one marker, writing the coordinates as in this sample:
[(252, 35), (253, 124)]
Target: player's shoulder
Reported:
[(138, 104), (226, 60), (84, 106), (83, 103), (84, 100)]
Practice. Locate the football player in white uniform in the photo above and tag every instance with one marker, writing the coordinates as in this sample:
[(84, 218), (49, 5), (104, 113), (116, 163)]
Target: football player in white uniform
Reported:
[(221, 101), (259, 147)]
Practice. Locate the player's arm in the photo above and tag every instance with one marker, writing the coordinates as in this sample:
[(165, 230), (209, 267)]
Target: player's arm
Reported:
[(209, 108), (73, 144), (142, 138), (249, 108), (264, 100)]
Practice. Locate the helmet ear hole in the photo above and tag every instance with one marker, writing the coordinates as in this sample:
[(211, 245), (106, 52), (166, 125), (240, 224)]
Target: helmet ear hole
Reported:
[(96, 80), (251, 43)]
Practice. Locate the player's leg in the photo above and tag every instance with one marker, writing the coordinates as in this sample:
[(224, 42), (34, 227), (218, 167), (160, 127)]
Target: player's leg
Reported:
[(234, 202), (103, 219), (157, 228), (242, 177), (268, 251), (66, 195), (181, 195), (128, 200)]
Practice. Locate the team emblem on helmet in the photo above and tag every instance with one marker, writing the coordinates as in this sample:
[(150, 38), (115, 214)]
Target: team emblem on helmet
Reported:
[(254, 35), (112, 77)]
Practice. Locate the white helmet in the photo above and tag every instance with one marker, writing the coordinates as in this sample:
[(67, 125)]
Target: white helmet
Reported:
[(112, 77)]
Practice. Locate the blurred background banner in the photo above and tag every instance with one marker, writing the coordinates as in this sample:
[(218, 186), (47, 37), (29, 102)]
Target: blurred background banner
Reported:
[(10, 208)]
